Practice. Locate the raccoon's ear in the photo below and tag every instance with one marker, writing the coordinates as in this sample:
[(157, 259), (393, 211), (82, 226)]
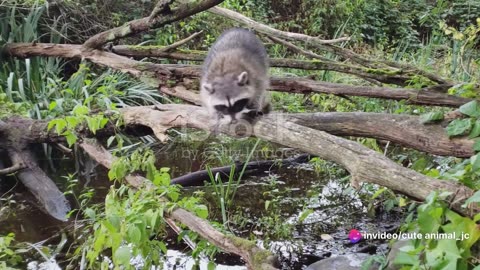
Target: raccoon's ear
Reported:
[(243, 78), (208, 87)]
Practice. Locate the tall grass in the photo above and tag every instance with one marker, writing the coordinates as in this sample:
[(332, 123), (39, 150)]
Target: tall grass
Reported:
[(225, 191)]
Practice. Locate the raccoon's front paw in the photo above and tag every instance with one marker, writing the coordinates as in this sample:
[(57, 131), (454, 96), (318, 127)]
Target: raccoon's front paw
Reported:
[(252, 116)]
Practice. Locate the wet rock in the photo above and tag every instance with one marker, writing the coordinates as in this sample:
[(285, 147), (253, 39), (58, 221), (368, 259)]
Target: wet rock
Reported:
[(342, 262)]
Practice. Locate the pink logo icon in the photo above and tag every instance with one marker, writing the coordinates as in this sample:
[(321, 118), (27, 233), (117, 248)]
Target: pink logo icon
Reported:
[(354, 236)]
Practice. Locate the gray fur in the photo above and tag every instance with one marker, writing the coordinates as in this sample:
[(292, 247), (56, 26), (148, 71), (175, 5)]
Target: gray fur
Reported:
[(234, 69)]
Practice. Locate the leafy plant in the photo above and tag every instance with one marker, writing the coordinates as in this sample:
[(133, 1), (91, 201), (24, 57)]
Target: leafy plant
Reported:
[(8, 256), (447, 237), (118, 228)]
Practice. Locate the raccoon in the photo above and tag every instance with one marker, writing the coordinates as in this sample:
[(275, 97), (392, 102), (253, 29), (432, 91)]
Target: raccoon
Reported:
[(235, 78)]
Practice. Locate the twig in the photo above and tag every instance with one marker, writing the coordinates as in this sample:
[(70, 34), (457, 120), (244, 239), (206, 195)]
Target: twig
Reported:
[(181, 42), (16, 160), (297, 49), (14, 168)]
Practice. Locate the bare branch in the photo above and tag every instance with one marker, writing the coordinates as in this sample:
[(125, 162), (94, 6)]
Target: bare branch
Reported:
[(161, 15), (17, 162), (421, 97), (297, 49), (430, 138), (181, 42), (269, 30)]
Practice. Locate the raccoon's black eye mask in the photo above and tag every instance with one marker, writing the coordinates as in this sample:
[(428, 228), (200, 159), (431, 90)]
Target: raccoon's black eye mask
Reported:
[(237, 107)]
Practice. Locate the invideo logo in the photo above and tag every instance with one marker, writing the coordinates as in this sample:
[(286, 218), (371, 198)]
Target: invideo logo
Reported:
[(354, 236)]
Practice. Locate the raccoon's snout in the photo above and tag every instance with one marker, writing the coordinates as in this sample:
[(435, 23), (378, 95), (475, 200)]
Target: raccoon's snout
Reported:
[(237, 107)]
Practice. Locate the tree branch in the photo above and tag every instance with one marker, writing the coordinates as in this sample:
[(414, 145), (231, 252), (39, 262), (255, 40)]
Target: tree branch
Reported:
[(269, 30), (161, 15), (179, 43), (297, 49), (16, 160)]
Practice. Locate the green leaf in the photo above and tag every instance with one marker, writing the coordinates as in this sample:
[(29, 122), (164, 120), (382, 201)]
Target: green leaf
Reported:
[(60, 125), (103, 122), (475, 132), (431, 117), (474, 198), (163, 247), (201, 211), (110, 140), (211, 265), (71, 138), (72, 121), (444, 255), (459, 127), (405, 258), (420, 164), (304, 215), (92, 124), (475, 161), (122, 255), (162, 179), (378, 193), (134, 234), (461, 227), (80, 110), (476, 145), (52, 105), (51, 124), (471, 109), (90, 213)]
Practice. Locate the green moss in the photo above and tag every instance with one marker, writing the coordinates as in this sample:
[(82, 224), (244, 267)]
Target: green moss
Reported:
[(261, 256), (192, 51), (382, 71)]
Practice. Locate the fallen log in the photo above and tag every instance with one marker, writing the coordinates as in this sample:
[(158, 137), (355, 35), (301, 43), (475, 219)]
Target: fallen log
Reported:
[(197, 178), (364, 165), (157, 75), (429, 138), (23, 163)]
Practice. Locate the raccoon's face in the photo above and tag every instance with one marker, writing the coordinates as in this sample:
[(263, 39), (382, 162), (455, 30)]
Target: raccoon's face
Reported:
[(229, 96)]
